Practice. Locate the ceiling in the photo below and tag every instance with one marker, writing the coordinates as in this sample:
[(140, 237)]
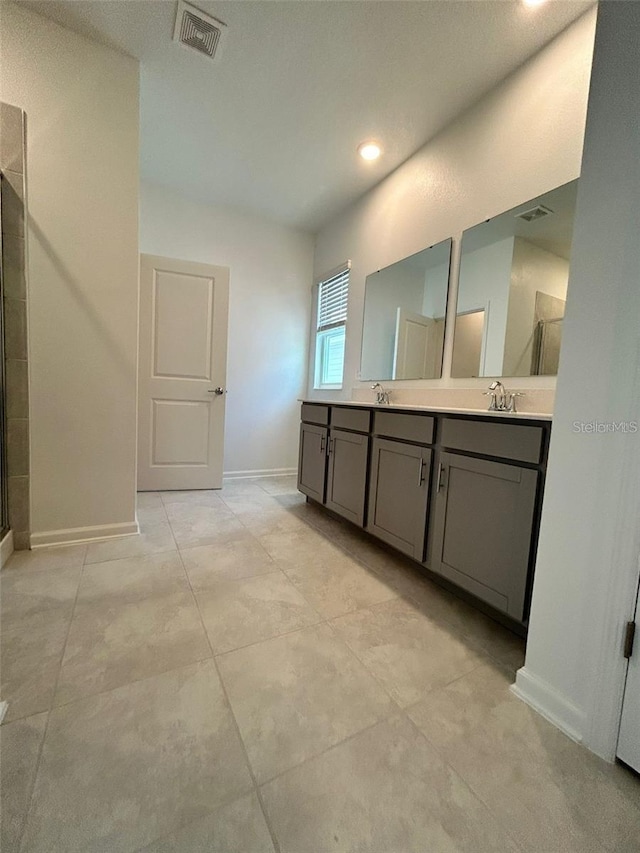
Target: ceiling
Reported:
[(553, 233), (272, 127)]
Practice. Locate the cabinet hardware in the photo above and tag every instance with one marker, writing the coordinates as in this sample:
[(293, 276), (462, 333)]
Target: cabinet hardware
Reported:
[(322, 444), (441, 474), (330, 445), (421, 472), (629, 635)]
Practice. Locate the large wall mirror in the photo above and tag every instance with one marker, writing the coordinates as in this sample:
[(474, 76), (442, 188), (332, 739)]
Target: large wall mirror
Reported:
[(512, 289), (404, 316)]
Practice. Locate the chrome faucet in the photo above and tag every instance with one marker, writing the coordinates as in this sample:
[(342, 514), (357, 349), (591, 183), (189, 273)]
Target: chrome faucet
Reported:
[(501, 399), (382, 396)]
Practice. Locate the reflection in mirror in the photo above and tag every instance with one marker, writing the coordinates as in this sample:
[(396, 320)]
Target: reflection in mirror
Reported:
[(512, 289), (404, 316)]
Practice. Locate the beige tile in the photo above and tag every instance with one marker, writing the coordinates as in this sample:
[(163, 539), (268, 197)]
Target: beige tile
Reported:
[(153, 539), (18, 447), (273, 521), (12, 203), (236, 828), (11, 138), (250, 504), (300, 547), (13, 260), (46, 559), (132, 579), (18, 488), (245, 486), (195, 525), (526, 771), (17, 388), (200, 497), (442, 606), (149, 500), (112, 645), (407, 653), (283, 485), (384, 791), (26, 590), (20, 748), (15, 318), (297, 695), (237, 613), (147, 515), (240, 558), (123, 768), (32, 649), (504, 646), (339, 586), (21, 540)]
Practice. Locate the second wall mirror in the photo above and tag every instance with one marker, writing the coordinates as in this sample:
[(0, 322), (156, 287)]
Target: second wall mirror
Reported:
[(404, 317), (512, 289)]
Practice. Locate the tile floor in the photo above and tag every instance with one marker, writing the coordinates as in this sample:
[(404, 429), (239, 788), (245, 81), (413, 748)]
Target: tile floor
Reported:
[(250, 675)]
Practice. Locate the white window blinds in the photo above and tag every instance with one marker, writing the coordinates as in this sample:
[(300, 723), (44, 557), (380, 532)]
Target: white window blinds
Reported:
[(333, 294)]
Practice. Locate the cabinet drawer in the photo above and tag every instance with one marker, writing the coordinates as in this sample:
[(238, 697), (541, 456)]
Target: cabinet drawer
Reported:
[(506, 441), (357, 420), (312, 413), (416, 428)]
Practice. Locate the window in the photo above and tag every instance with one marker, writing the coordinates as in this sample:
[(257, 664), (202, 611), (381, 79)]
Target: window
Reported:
[(333, 293)]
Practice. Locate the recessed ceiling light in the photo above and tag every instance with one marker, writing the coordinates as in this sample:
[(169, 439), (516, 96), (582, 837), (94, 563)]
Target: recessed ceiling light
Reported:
[(369, 150), (534, 2)]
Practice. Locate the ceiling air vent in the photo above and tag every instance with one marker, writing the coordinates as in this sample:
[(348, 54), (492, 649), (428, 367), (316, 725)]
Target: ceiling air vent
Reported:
[(534, 213), (198, 31)]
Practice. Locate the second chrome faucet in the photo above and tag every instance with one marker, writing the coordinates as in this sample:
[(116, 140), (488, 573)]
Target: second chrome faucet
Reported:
[(382, 396), (501, 399)]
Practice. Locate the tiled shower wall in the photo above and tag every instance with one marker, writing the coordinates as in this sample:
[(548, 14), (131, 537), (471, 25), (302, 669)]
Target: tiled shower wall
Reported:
[(12, 166)]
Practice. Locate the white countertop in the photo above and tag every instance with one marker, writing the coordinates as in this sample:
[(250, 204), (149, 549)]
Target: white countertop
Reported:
[(519, 416)]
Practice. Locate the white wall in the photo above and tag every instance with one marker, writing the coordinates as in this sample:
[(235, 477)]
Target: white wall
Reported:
[(81, 103), (522, 139), (485, 276), (388, 290), (534, 270), (587, 566), (269, 316)]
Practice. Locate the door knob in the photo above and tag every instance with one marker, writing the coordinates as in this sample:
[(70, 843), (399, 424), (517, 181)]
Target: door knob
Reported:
[(217, 391)]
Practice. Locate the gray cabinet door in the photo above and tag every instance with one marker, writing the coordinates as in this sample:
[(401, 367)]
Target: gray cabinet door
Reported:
[(398, 495), (482, 529), (347, 476), (312, 461)]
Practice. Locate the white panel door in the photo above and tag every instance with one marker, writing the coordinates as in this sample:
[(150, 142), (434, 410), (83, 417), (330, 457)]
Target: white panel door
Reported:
[(629, 738), (413, 333), (182, 374)]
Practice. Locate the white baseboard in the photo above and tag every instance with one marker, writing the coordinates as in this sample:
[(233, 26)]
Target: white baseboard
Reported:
[(83, 534), (6, 548), (259, 472), (550, 704)]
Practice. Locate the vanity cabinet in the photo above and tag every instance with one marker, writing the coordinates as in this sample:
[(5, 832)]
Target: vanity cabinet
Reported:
[(400, 478), (460, 494), (482, 528), (312, 461), (347, 474), (398, 495)]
